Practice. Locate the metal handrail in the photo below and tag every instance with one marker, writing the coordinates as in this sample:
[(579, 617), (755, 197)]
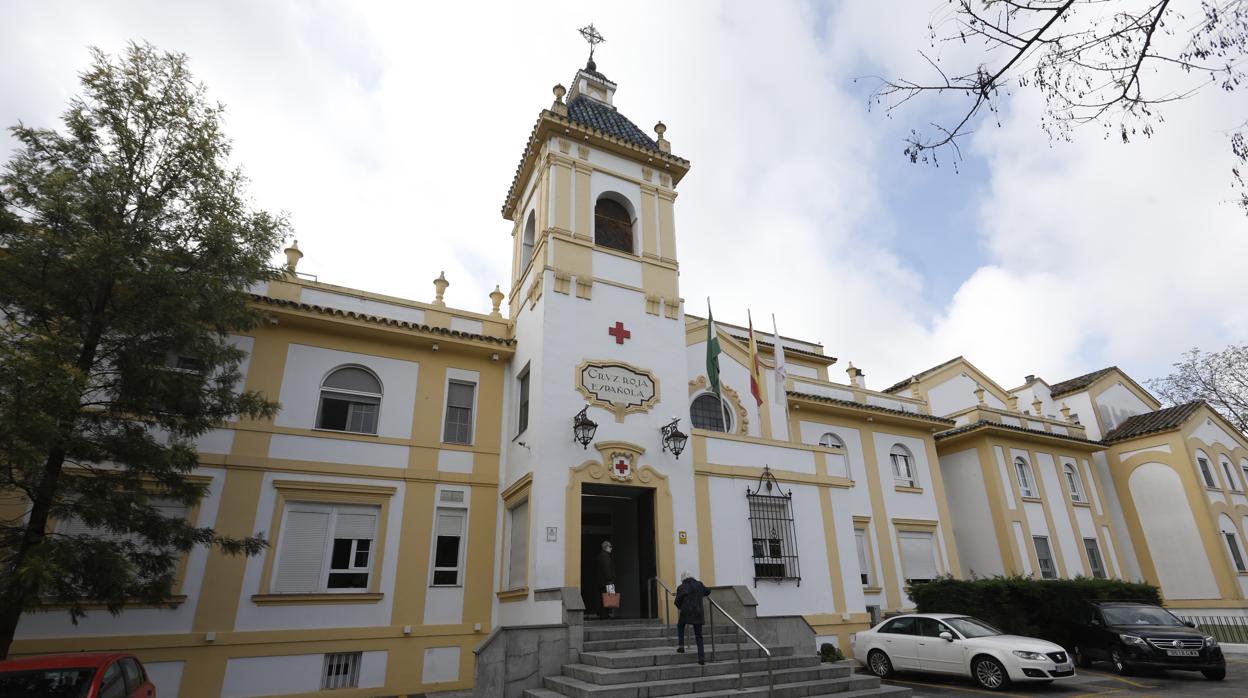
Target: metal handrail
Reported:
[(771, 677), (667, 604)]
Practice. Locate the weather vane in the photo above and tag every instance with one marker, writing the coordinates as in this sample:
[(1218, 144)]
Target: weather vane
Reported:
[(592, 37)]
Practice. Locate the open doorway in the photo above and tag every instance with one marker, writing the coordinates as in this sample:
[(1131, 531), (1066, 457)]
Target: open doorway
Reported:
[(625, 516)]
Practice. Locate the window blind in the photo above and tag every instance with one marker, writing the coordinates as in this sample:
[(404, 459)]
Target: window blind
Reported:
[(918, 555), (302, 553)]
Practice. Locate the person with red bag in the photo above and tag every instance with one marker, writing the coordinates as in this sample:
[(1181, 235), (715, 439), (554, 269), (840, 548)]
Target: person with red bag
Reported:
[(606, 580), (689, 596)]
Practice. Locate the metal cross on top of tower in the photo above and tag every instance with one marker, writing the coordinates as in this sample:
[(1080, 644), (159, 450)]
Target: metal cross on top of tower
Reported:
[(592, 37)]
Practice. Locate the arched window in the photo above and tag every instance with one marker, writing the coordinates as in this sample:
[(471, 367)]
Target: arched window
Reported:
[(1243, 468), (830, 440), (903, 465), (613, 225), (1073, 482), (526, 242), (1206, 471), (1026, 485), (1229, 471), (350, 401), (1232, 542), (710, 412)]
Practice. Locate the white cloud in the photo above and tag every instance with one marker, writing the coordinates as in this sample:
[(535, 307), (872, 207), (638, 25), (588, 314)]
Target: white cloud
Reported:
[(390, 132)]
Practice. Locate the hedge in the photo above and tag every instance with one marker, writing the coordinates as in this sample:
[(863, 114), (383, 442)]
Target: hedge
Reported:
[(1044, 608)]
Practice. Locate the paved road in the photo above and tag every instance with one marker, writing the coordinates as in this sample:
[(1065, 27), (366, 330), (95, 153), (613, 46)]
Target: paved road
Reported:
[(1097, 681)]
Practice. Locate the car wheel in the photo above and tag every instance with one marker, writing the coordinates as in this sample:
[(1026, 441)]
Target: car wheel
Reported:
[(879, 664), (990, 674), (1214, 674), (1082, 659), (1120, 667)]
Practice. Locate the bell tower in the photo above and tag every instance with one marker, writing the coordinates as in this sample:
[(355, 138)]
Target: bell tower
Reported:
[(600, 331)]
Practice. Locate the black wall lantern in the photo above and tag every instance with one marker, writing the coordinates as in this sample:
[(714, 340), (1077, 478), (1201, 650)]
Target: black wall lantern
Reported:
[(583, 428), (673, 438)]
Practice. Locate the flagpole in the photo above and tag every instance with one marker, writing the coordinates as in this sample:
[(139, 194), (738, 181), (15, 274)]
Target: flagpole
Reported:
[(719, 392)]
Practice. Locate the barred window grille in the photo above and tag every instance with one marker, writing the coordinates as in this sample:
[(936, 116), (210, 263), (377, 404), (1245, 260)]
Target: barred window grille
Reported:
[(773, 538), (342, 670)]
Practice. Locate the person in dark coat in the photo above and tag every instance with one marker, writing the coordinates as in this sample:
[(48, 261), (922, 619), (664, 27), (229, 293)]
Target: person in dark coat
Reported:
[(606, 576), (689, 596)]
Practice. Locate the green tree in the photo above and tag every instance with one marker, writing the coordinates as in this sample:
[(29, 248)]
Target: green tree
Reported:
[(127, 247)]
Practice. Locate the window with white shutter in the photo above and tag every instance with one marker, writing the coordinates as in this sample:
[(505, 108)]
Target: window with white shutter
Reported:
[(518, 545), (918, 556), (448, 548), (865, 568), (325, 548)]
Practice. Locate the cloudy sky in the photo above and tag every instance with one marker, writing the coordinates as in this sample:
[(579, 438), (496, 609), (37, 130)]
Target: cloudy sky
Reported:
[(390, 132)]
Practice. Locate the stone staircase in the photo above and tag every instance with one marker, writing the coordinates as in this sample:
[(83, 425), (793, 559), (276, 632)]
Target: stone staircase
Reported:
[(638, 659)]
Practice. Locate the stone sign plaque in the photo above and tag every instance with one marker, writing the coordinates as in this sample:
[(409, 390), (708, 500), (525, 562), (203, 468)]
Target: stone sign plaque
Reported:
[(617, 386)]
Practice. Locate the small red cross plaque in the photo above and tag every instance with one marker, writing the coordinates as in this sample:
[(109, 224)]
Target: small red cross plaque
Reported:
[(621, 466), (619, 333)]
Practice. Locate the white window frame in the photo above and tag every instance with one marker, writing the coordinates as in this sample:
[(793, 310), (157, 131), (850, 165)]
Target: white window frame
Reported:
[(1228, 469), (1243, 469), (348, 677), (1206, 470), (1074, 481), (724, 407), (327, 555), (1026, 477), (866, 561), (455, 375), (345, 394), (830, 440), (929, 537), (438, 511), (513, 543), (1090, 546), (524, 396), (1048, 547), (903, 466)]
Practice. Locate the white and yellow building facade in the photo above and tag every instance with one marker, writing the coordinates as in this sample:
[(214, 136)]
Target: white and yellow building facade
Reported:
[(421, 488)]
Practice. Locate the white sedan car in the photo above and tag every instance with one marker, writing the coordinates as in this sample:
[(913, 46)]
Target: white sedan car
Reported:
[(947, 643)]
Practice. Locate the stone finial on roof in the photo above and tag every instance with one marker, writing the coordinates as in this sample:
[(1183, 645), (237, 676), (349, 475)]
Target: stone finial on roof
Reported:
[(559, 107), (293, 255), (856, 377), (1013, 403), (440, 285), (1037, 407), (979, 394), (1065, 412), (664, 144), (496, 298)]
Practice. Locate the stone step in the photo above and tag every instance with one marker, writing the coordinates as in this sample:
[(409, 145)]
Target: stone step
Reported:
[(666, 655), (626, 642), (605, 676), (877, 692), (789, 684), (598, 622), (623, 632)]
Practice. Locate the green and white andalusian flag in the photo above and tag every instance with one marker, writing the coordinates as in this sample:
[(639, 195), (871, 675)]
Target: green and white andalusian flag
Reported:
[(712, 350)]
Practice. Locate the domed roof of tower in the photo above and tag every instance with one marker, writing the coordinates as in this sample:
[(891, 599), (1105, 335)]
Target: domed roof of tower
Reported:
[(590, 103)]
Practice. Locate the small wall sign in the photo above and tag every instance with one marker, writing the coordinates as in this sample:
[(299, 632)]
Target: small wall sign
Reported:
[(684, 538), (617, 386), (552, 534)]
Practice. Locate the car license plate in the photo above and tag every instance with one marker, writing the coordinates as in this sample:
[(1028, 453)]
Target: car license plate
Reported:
[(1064, 667), (1183, 653)]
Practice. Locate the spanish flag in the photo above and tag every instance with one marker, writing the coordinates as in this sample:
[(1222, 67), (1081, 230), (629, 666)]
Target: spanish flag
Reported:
[(756, 366)]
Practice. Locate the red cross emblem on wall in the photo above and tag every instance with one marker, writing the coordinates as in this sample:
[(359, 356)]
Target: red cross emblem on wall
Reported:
[(621, 466), (619, 333)]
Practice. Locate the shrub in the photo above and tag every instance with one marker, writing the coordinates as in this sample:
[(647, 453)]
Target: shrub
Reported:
[(829, 652), (1044, 608)]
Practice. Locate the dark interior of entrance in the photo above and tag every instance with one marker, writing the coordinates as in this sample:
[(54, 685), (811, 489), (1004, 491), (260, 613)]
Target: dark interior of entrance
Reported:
[(625, 516)]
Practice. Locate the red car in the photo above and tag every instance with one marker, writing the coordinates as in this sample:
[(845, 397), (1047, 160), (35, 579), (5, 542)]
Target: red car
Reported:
[(81, 675)]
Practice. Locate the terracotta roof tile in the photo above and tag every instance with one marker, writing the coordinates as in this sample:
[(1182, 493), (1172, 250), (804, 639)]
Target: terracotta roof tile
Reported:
[(601, 117), (1152, 422), (1078, 383), (325, 310), (919, 376), (873, 408), (984, 423)]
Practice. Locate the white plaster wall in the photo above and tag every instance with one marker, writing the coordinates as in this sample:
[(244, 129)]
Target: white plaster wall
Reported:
[(293, 616), (1171, 534), (1114, 507), (908, 505), (616, 268), (726, 452), (295, 673), (1023, 546), (799, 370), (976, 536), (1056, 500), (140, 621), (1210, 432), (307, 366), (215, 441), (342, 301), (166, 677), (1127, 455), (1110, 552), (1006, 419), (957, 393), (467, 325), (1081, 404), (1117, 403), (440, 665), (326, 449), (1004, 474), (455, 461), (1094, 490), (778, 412), (821, 389), (611, 161), (247, 344)]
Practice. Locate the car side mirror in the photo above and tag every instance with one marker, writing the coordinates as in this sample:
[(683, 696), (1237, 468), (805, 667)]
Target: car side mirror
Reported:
[(1094, 623), (947, 636), (1189, 624)]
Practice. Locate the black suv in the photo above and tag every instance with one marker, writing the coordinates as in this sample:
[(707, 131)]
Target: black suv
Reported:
[(1139, 635)]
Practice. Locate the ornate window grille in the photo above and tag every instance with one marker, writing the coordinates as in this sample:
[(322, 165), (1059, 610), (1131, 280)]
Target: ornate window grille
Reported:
[(773, 538)]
